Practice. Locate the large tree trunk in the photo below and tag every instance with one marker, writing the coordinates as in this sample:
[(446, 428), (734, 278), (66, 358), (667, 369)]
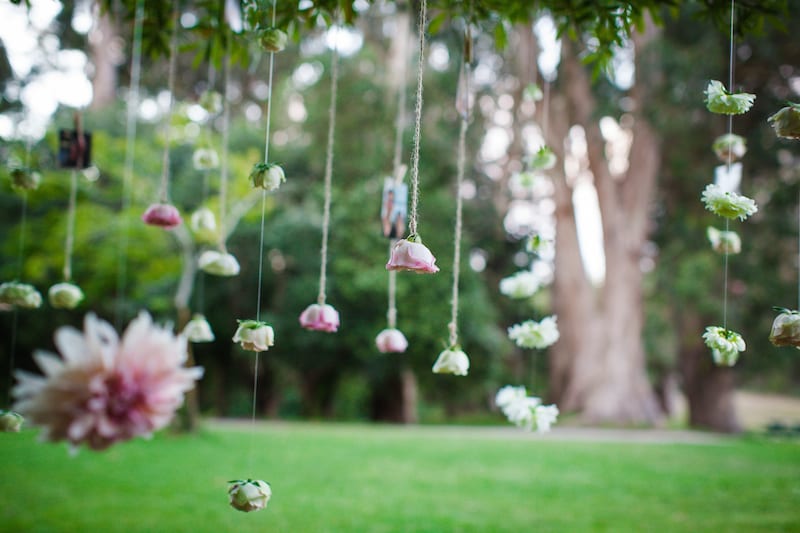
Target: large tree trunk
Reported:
[(105, 56)]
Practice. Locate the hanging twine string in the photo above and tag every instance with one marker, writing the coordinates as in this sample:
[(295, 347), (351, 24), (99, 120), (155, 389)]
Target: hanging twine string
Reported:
[(266, 160), (20, 257), (728, 166), (130, 149), (326, 214), (223, 171), (173, 53), (69, 242), (412, 223)]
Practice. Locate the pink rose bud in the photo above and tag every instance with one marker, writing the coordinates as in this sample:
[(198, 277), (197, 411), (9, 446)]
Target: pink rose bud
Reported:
[(391, 341), (410, 254), (318, 317), (162, 215)]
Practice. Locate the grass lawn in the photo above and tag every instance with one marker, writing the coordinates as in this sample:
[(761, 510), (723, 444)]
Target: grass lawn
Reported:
[(354, 478)]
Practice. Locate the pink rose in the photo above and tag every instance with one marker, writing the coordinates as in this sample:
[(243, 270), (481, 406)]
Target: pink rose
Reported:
[(391, 341), (410, 254), (162, 215), (318, 317)]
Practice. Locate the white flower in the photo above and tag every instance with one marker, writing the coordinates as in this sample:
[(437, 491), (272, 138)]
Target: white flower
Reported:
[(204, 225), (726, 203), (729, 146), (10, 421), (533, 93), (268, 176), (545, 416), (523, 284), (452, 361), (65, 295), (786, 122), (391, 340), (508, 394), (785, 328), (205, 159), (218, 263), (20, 294), (536, 244), (725, 345), (543, 159), (198, 329), (724, 241), (719, 100), (254, 336), (520, 411), (532, 334), (249, 495)]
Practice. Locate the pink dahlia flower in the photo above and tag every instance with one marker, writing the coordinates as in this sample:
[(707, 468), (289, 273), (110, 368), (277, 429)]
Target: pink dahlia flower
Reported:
[(410, 254), (162, 215), (320, 317), (104, 389), (391, 341)]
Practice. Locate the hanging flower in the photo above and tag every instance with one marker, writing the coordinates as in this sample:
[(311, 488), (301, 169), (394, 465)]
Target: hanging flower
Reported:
[(205, 159), (525, 411), (204, 225), (410, 254), (452, 361), (719, 100), (727, 204), (786, 122), (10, 422), (543, 159), (163, 215), (254, 335), (104, 389), (532, 334), (729, 146), (65, 295), (536, 244), (24, 179), (523, 284), (509, 394), (198, 329), (533, 93), (268, 176), (545, 416), (785, 328), (391, 340), (218, 263), (320, 317), (273, 39), (211, 101), (20, 294), (724, 241), (725, 345), (249, 494)]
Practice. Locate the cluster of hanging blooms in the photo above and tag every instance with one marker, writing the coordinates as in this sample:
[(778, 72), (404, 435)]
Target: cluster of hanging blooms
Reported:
[(249, 494), (727, 204), (391, 340), (543, 159), (24, 178), (786, 122), (65, 295), (218, 263), (724, 242), (320, 317), (525, 411), (254, 335), (198, 329), (719, 100), (162, 215), (729, 147), (103, 389), (20, 295), (725, 345), (203, 224), (521, 285), (536, 335), (411, 255), (10, 422), (785, 328), (452, 361), (268, 176)]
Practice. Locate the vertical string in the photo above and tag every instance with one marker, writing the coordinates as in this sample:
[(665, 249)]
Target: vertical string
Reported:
[(70, 240), (326, 214), (391, 313), (728, 166), (412, 223), (798, 249), (173, 53), (725, 283), (223, 171), (130, 148), (22, 227), (15, 311)]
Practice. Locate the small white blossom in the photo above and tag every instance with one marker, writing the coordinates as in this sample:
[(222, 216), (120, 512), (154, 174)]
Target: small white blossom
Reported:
[(786, 122), (725, 345), (10, 421), (532, 334), (508, 394), (452, 361), (218, 263), (523, 284), (204, 225), (65, 295), (719, 100), (20, 294), (249, 495), (543, 159), (254, 336), (729, 146), (198, 329), (727, 204), (545, 416), (724, 241), (205, 159), (786, 329)]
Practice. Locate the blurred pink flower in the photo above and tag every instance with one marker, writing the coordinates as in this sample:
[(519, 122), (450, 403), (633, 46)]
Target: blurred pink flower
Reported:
[(391, 341), (105, 390), (162, 215), (320, 317), (410, 254)]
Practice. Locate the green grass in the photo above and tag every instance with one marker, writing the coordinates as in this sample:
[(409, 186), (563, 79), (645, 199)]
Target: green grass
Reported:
[(354, 478)]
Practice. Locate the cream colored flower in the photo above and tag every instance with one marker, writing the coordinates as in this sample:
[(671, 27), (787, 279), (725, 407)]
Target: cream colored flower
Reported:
[(20, 294), (198, 329), (452, 361), (719, 100), (724, 241), (254, 335), (65, 295), (725, 345), (218, 263), (532, 334), (523, 284), (786, 329), (249, 495), (204, 225), (727, 204)]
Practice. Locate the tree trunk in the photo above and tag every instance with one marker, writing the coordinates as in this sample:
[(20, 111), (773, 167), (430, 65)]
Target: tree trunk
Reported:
[(104, 50)]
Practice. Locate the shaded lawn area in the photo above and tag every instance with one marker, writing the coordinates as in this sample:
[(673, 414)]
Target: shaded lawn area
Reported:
[(354, 478)]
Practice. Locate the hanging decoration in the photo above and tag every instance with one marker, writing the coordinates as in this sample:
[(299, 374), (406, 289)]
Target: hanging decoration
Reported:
[(198, 329), (786, 122), (321, 316), (409, 253), (249, 494), (533, 334), (163, 213), (722, 200), (525, 411)]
